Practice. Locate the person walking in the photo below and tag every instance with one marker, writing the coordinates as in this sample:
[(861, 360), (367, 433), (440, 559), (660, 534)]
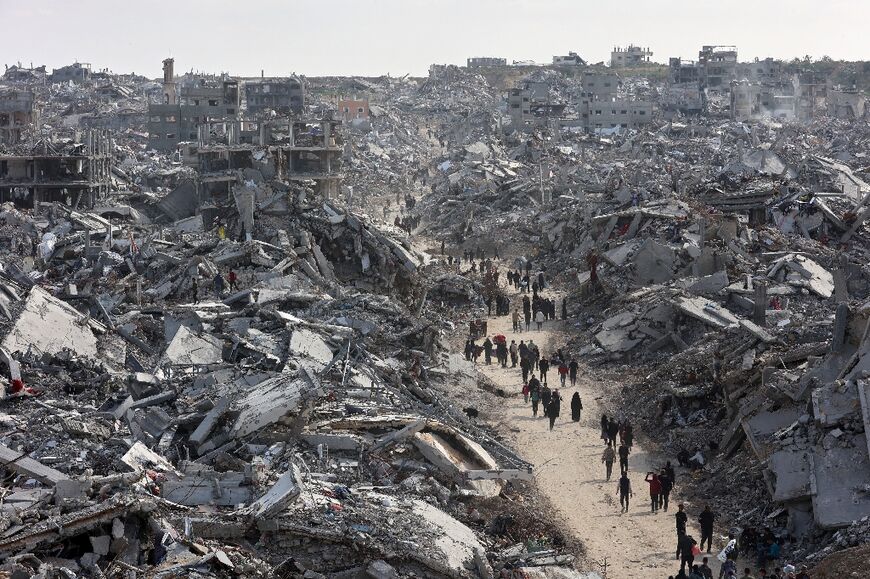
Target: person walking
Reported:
[(607, 458), (233, 279), (604, 425), (563, 372), (572, 372), (487, 349), (535, 395), (612, 431), (687, 555), (513, 351), (194, 288), (706, 521), (576, 407), (544, 367), (527, 308), (667, 487), (554, 407), (545, 397), (623, 457), (624, 489), (655, 489), (564, 309), (515, 318), (501, 351), (682, 519), (526, 367), (539, 319), (534, 354)]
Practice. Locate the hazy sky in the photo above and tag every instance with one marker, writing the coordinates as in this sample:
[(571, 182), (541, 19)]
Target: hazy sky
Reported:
[(357, 37)]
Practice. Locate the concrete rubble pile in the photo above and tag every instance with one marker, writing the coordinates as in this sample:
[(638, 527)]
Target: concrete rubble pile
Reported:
[(733, 285), (246, 384)]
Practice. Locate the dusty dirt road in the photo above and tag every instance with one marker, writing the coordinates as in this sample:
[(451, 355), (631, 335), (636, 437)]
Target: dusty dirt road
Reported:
[(568, 470)]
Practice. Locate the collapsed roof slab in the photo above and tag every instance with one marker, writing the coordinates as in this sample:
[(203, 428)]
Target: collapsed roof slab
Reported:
[(267, 403), (838, 480), (791, 470), (48, 325), (188, 349)]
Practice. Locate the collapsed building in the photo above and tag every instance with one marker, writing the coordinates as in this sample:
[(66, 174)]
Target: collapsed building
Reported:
[(297, 421)]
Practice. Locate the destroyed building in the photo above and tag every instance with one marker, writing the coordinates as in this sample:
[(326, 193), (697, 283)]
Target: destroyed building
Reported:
[(485, 61), (530, 104), (193, 110), (630, 55), (76, 72), (717, 67), (17, 114), (284, 95), (304, 417), (313, 153), (570, 59), (76, 174), (602, 108)]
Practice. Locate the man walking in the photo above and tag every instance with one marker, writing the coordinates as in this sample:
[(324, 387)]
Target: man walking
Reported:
[(655, 489), (624, 489), (667, 487), (535, 395), (682, 518), (513, 350), (572, 372), (607, 458), (515, 318), (487, 349), (706, 520), (544, 367), (623, 457), (612, 431)]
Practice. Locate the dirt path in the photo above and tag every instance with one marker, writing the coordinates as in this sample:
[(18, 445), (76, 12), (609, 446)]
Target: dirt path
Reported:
[(569, 471)]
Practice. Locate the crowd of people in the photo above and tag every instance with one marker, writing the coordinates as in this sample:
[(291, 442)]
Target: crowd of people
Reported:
[(536, 369)]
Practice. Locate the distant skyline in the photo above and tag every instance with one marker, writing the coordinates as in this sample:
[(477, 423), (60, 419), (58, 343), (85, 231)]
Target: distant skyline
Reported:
[(398, 37)]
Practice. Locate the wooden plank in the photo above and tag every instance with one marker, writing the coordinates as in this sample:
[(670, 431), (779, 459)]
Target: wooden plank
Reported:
[(24, 465)]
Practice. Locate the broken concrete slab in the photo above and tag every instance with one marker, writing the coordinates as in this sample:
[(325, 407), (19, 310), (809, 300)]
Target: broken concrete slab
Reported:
[(706, 311), (791, 473), (840, 475), (190, 349), (49, 325), (311, 347), (809, 274), (710, 284), (285, 490), (23, 464), (267, 403), (653, 263)]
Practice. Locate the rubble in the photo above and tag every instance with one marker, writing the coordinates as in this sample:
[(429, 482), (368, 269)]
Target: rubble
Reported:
[(225, 338)]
